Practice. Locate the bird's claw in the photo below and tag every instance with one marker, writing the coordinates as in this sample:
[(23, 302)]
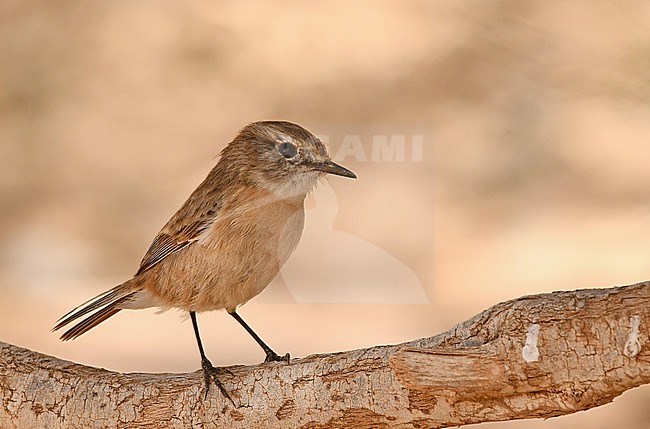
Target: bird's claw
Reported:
[(210, 373), (272, 356)]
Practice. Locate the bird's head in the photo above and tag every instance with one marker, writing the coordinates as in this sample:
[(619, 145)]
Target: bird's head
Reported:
[(281, 156)]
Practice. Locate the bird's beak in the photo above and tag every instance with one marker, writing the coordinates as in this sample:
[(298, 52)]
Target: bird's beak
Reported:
[(333, 168)]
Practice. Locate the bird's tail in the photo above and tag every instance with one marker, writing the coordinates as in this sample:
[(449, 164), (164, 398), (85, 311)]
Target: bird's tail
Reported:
[(102, 307)]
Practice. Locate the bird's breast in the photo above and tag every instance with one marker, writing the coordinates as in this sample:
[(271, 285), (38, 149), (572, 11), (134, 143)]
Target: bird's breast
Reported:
[(245, 250), (267, 234), (233, 260)]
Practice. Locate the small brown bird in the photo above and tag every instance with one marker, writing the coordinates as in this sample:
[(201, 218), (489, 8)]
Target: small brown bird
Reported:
[(229, 239)]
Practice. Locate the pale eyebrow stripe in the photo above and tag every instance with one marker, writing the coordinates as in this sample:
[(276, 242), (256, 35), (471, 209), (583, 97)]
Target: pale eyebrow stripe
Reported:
[(284, 138)]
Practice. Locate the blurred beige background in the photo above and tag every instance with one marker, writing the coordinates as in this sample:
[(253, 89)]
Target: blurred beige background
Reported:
[(535, 119)]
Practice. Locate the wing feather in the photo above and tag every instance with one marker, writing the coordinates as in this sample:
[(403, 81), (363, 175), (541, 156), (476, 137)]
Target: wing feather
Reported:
[(167, 243)]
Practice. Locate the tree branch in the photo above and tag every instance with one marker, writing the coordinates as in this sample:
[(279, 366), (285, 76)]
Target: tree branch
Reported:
[(537, 356)]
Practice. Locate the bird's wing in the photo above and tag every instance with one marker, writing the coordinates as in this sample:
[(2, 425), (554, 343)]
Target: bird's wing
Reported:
[(168, 242)]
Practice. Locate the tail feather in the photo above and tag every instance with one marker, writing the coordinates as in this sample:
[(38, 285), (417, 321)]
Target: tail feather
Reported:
[(89, 322), (104, 305), (87, 307)]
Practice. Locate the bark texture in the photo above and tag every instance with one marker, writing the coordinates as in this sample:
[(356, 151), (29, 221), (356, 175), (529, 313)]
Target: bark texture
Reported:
[(537, 356)]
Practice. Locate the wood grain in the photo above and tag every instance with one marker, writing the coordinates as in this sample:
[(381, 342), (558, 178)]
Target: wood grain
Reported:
[(475, 372)]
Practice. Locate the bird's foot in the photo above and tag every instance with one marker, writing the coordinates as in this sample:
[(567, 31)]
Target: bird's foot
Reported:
[(210, 374), (272, 356)]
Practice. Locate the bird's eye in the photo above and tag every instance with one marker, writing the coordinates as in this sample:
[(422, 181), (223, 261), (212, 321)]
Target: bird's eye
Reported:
[(288, 150)]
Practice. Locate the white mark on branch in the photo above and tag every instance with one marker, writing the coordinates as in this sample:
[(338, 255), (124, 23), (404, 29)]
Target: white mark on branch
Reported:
[(633, 345), (530, 352)]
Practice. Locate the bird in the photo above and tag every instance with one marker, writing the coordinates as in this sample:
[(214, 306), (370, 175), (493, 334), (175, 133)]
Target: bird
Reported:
[(228, 240)]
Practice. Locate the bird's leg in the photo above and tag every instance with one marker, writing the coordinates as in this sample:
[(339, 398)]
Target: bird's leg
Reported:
[(210, 373), (271, 356)]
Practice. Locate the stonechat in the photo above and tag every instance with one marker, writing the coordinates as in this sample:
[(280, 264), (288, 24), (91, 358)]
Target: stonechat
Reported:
[(229, 239)]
